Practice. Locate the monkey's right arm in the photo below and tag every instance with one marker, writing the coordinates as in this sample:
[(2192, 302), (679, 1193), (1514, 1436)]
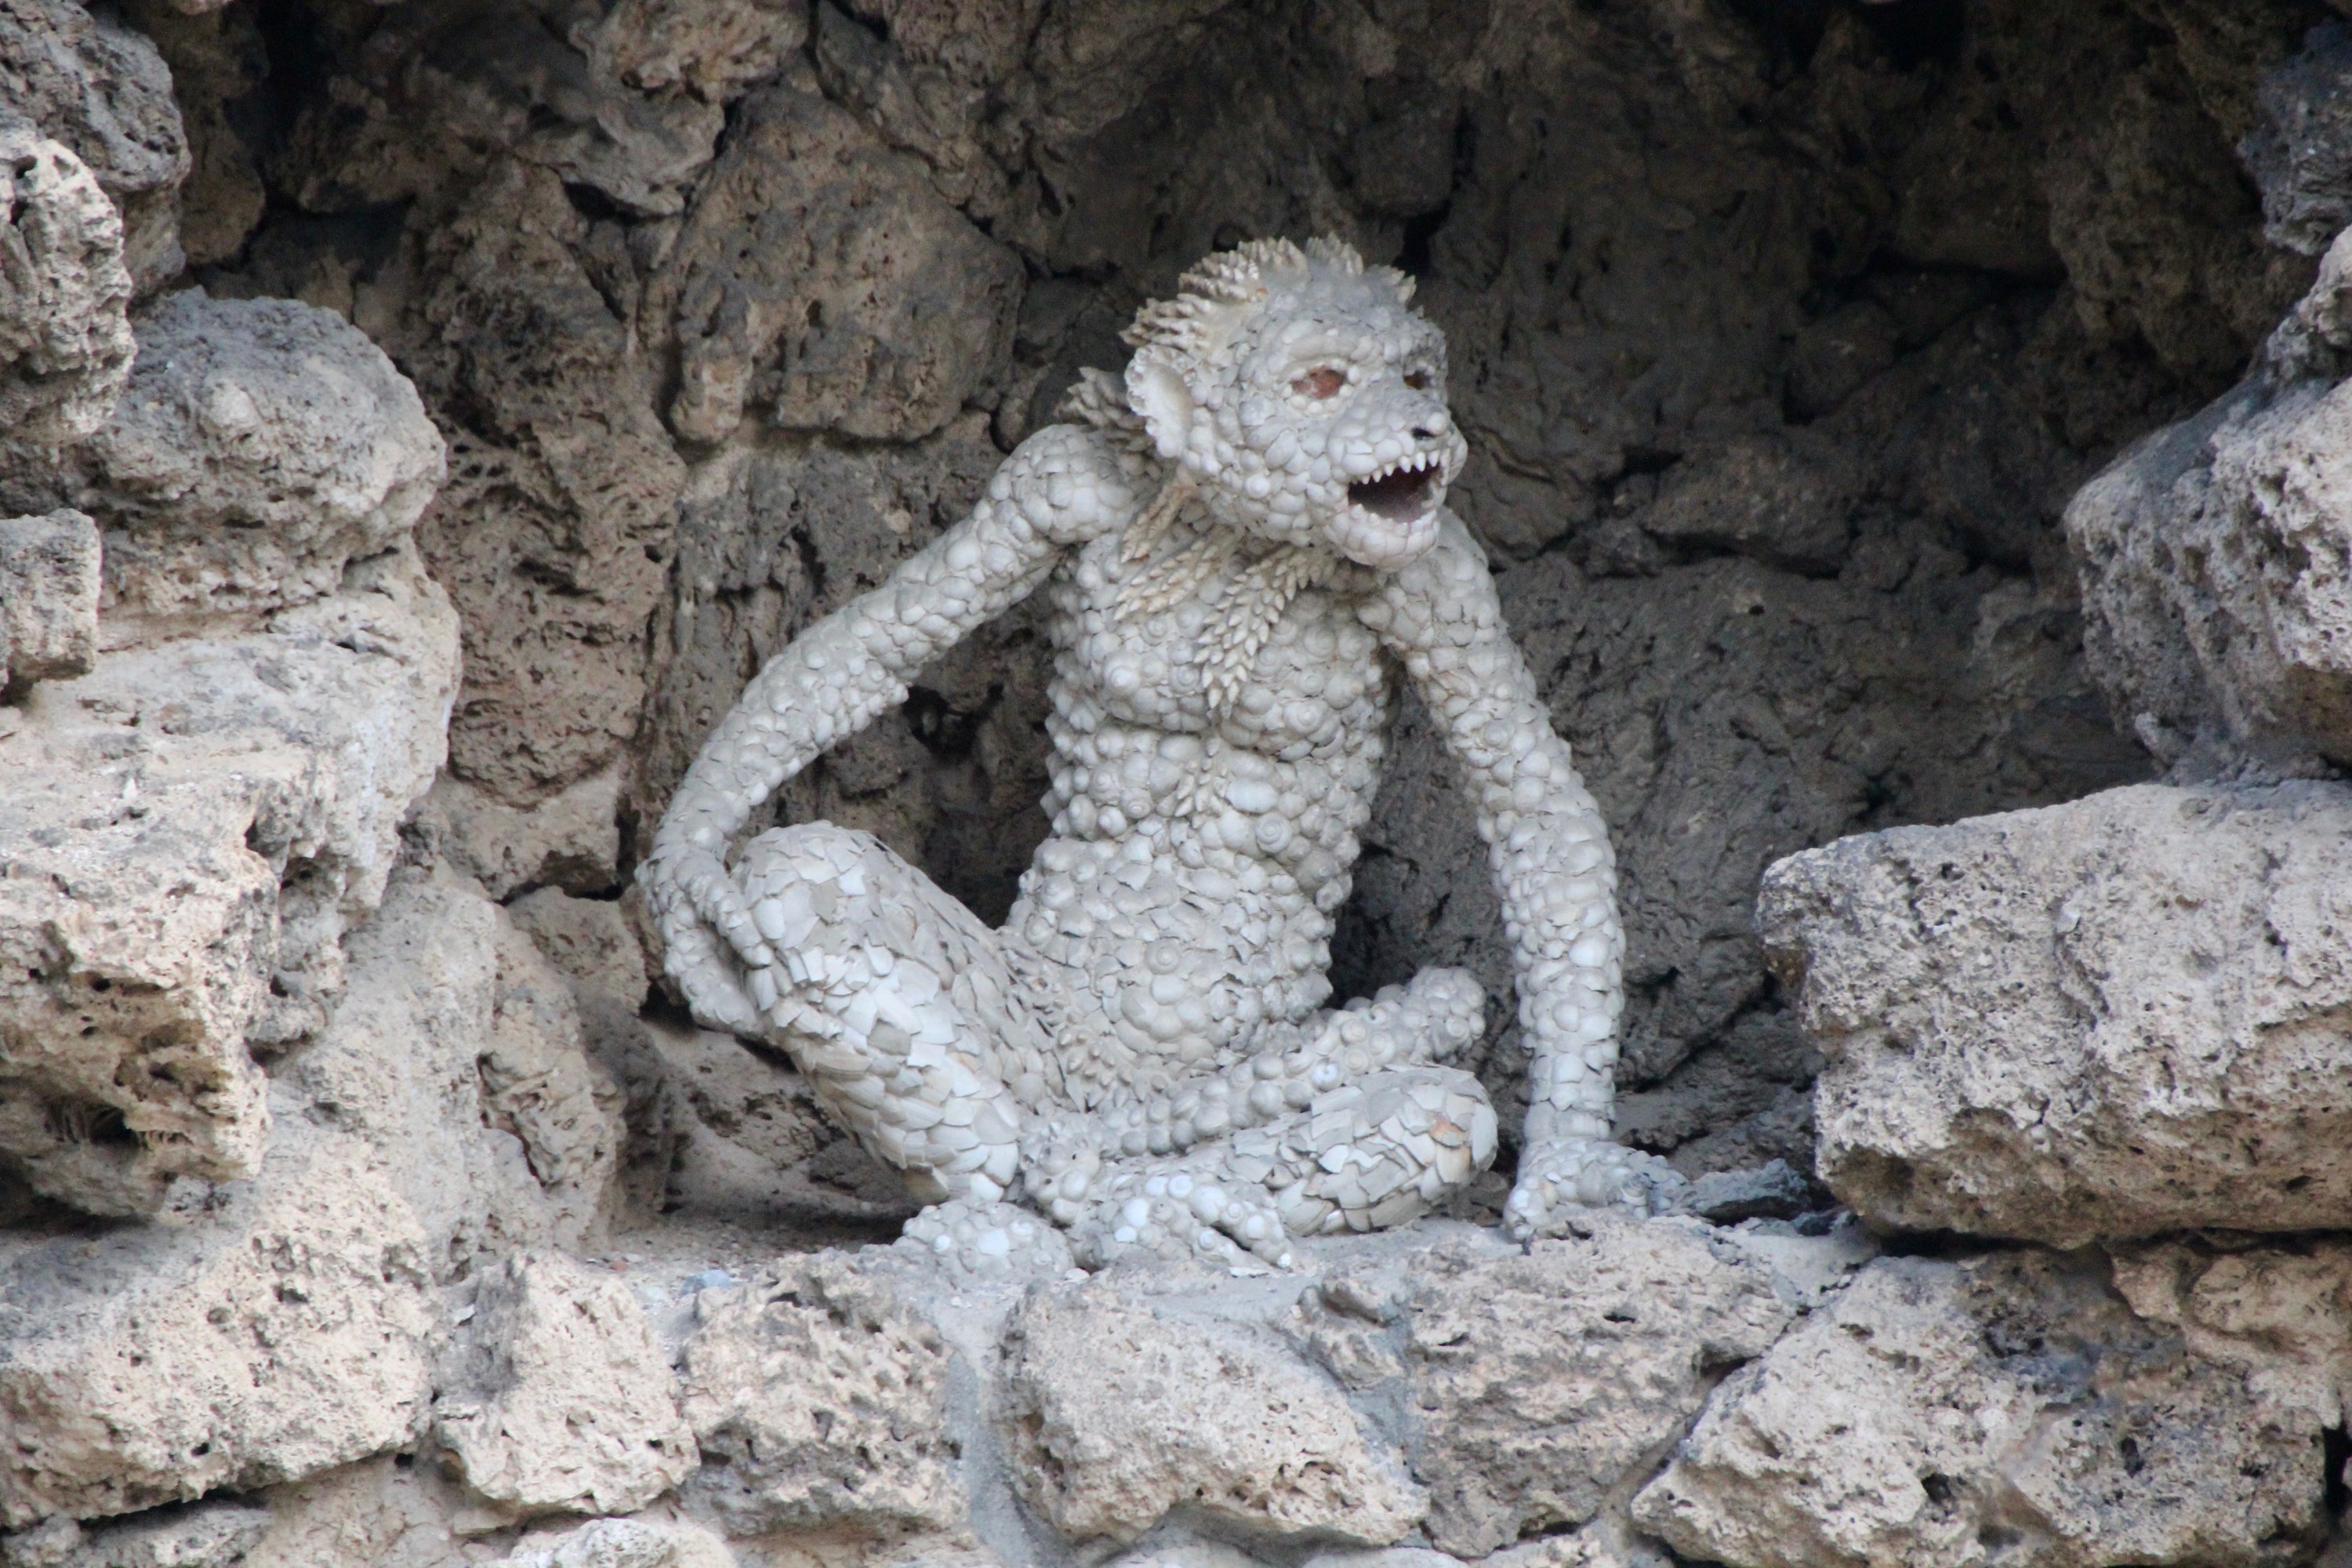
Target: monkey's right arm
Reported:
[(1061, 487)]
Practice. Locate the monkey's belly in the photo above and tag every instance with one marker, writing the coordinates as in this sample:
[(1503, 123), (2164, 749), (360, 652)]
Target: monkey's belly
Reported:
[(1189, 888)]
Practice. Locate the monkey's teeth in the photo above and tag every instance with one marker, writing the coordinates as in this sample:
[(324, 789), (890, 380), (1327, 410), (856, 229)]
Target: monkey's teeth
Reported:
[(1411, 463)]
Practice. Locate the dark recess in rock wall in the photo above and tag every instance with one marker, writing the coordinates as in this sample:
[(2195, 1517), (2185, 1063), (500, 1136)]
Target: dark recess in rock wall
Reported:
[(1781, 329)]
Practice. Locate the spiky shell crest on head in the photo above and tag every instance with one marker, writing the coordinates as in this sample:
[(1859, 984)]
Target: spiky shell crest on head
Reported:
[(1189, 333)]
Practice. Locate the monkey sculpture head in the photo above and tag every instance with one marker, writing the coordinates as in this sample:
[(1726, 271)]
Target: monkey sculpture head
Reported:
[(1304, 397)]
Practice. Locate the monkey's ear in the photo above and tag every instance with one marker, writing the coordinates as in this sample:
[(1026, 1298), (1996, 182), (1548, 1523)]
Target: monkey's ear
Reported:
[(1156, 390)]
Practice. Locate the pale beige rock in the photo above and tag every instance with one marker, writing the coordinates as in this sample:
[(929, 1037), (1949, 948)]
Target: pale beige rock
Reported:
[(187, 832), (1113, 1415), (1180, 1549), (216, 1536), (458, 1049), (2108, 1018), (65, 329), (626, 1543), (48, 597), (570, 839), (2282, 1316), (819, 1400), (1540, 1384), (748, 1124), (383, 1512), (102, 88), (1937, 1410), (955, 1551), (1384, 1557), (2216, 593), (259, 447), (589, 941), (558, 1396), (1605, 1543), (265, 1331)]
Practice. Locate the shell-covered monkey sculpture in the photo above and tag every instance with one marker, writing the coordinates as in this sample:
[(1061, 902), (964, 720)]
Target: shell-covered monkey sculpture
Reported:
[(1246, 546)]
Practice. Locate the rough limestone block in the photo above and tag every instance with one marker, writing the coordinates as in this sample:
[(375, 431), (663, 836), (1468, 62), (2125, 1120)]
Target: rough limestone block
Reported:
[(2282, 1316), (559, 1398), (819, 1400), (589, 940), (625, 1543), (572, 839), (259, 447), (48, 597), (2215, 557), (1538, 1383), (383, 1512), (2113, 1018), (1115, 1415), (458, 1048), (212, 1537), (1941, 1414), (822, 281), (185, 834), (747, 1126), (2300, 150), (103, 91), (64, 296), (273, 1328), (712, 49), (1758, 496)]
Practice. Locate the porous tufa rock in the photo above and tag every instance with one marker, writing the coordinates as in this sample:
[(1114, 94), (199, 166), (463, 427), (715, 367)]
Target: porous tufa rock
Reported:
[(261, 447), (49, 597), (559, 1399), (589, 941), (625, 1543), (1542, 1384), (2212, 558), (190, 828), (821, 284), (460, 1051), (820, 1402), (2110, 1018), (1114, 1415), (570, 839), (100, 88), (277, 1327), (65, 329), (215, 1535), (2012, 1398)]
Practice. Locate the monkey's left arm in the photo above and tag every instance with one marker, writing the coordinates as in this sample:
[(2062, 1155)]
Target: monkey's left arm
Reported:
[(1548, 848)]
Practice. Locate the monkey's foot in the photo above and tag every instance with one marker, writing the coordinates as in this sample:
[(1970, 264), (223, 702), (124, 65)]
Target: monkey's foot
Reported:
[(1179, 1208), (984, 1242), (1557, 1176)]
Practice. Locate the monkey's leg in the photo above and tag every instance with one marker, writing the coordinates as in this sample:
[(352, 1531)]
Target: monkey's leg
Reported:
[(1364, 1156), (1062, 1152), (898, 1002)]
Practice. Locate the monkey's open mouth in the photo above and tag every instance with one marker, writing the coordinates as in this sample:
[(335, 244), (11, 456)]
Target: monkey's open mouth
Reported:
[(1401, 492)]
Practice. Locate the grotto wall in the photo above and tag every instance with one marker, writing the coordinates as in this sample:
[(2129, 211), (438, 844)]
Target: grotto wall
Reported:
[(1905, 435)]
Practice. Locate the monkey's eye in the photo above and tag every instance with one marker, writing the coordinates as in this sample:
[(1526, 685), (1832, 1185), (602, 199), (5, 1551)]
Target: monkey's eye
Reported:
[(1320, 384), (1417, 379)]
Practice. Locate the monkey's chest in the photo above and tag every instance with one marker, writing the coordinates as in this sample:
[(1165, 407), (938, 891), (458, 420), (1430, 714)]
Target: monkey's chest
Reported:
[(1311, 682)]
